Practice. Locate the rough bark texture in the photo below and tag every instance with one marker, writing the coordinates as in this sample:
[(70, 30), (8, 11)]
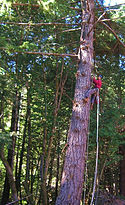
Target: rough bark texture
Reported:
[(72, 179)]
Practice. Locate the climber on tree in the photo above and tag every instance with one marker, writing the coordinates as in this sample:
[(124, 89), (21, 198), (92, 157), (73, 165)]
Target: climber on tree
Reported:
[(94, 91)]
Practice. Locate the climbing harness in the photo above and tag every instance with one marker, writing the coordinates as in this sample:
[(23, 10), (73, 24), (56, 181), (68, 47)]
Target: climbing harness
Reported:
[(97, 151)]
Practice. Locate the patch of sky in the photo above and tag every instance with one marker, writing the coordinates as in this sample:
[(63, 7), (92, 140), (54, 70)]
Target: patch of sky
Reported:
[(68, 20), (122, 62), (12, 66), (44, 58), (45, 38), (66, 60), (38, 60), (29, 67), (113, 2)]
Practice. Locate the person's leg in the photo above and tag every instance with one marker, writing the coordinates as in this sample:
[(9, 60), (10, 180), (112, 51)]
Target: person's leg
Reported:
[(92, 101), (89, 93), (94, 97)]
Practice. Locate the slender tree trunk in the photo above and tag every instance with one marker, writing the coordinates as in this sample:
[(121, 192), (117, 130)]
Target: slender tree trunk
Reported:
[(9, 171), (2, 111), (11, 151), (29, 138), (58, 160), (72, 179), (43, 194), (18, 180), (16, 162), (32, 176)]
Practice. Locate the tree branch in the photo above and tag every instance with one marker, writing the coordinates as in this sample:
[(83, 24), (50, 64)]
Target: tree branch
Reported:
[(96, 22), (113, 18), (78, 9), (117, 5), (41, 53), (26, 4), (49, 54), (110, 29), (37, 5), (40, 24), (74, 29)]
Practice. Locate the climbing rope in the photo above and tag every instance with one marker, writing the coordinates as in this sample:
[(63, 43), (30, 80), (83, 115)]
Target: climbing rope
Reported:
[(86, 167), (97, 151)]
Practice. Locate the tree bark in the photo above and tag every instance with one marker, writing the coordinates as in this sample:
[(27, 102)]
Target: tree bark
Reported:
[(29, 136), (22, 150), (72, 179)]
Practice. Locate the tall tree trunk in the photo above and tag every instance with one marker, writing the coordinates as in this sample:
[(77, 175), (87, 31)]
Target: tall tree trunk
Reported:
[(29, 137), (11, 151), (18, 180), (58, 160), (2, 111), (72, 179)]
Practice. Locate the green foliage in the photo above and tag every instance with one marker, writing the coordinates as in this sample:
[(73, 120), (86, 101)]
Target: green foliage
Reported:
[(5, 139), (37, 78)]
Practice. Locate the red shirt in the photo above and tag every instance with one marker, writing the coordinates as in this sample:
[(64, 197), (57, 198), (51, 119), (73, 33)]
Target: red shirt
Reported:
[(98, 83)]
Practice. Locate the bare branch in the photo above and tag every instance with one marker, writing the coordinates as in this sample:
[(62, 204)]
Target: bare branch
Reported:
[(113, 18), (74, 29), (32, 5), (68, 96), (41, 53), (78, 9), (97, 22), (109, 28), (37, 5), (115, 5), (39, 24), (49, 54)]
